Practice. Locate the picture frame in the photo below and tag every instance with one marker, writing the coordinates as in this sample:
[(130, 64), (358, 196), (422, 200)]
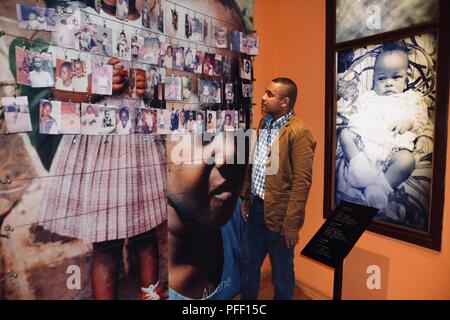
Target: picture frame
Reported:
[(412, 210)]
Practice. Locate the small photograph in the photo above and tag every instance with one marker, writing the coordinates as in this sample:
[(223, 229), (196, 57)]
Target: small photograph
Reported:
[(85, 38), (159, 13), (220, 35), (207, 30), (209, 91), (164, 121), (220, 117), (154, 76), (179, 58), (249, 44), (235, 41), (242, 120), (140, 83), (173, 24), (64, 75), (147, 14), (173, 88), (229, 93), (205, 90), (230, 120), (198, 62), (104, 41), (90, 118), (208, 64), (151, 50), (124, 120), (79, 78), (22, 75), (199, 124), (216, 92), (166, 56), (189, 60), (247, 90), (64, 35), (151, 120), (137, 48), (145, 121), (70, 118), (183, 116), (190, 121), (193, 28), (218, 65), (122, 45), (40, 68), (122, 9), (17, 114), (187, 88), (36, 18), (102, 79), (211, 121), (246, 69), (174, 120), (107, 120), (49, 117), (226, 69)]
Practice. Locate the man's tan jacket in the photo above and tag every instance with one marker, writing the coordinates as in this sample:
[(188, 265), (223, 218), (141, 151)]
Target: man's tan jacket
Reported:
[(287, 186)]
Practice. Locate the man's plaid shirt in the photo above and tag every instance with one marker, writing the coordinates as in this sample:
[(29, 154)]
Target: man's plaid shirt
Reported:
[(261, 155)]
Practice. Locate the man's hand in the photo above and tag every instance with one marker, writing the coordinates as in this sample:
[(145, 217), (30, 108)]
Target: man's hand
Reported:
[(291, 237), (244, 211)]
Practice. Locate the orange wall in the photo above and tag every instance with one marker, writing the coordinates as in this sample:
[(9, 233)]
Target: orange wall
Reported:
[(292, 44)]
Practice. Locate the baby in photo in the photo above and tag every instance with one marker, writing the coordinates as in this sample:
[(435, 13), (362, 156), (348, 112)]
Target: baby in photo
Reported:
[(63, 75), (86, 38), (104, 41), (379, 140), (17, 114)]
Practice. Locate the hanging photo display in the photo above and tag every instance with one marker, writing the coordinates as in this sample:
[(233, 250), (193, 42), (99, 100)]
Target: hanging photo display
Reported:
[(110, 74)]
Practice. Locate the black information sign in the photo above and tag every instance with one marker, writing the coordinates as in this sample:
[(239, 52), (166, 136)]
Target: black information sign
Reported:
[(340, 232)]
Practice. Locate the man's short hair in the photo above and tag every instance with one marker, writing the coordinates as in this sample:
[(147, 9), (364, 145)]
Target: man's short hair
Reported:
[(291, 90)]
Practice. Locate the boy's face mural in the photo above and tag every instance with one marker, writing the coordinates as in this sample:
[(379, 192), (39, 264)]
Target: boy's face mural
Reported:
[(205, 190)]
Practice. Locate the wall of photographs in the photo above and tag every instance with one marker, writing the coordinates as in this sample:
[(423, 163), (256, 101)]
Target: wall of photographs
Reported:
[(168, 64), (90, 76)]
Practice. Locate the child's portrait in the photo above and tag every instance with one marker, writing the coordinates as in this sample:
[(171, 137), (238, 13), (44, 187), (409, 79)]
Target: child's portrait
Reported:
[(70, 118), (64, 73)]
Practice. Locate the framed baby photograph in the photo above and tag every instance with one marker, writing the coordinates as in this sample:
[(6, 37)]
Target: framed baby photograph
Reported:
[(386, 128)]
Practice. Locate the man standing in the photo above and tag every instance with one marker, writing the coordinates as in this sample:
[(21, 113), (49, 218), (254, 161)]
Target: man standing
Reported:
[(274, 202)]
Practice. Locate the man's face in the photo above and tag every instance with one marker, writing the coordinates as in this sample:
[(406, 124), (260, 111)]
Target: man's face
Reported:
[(274, 99)]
